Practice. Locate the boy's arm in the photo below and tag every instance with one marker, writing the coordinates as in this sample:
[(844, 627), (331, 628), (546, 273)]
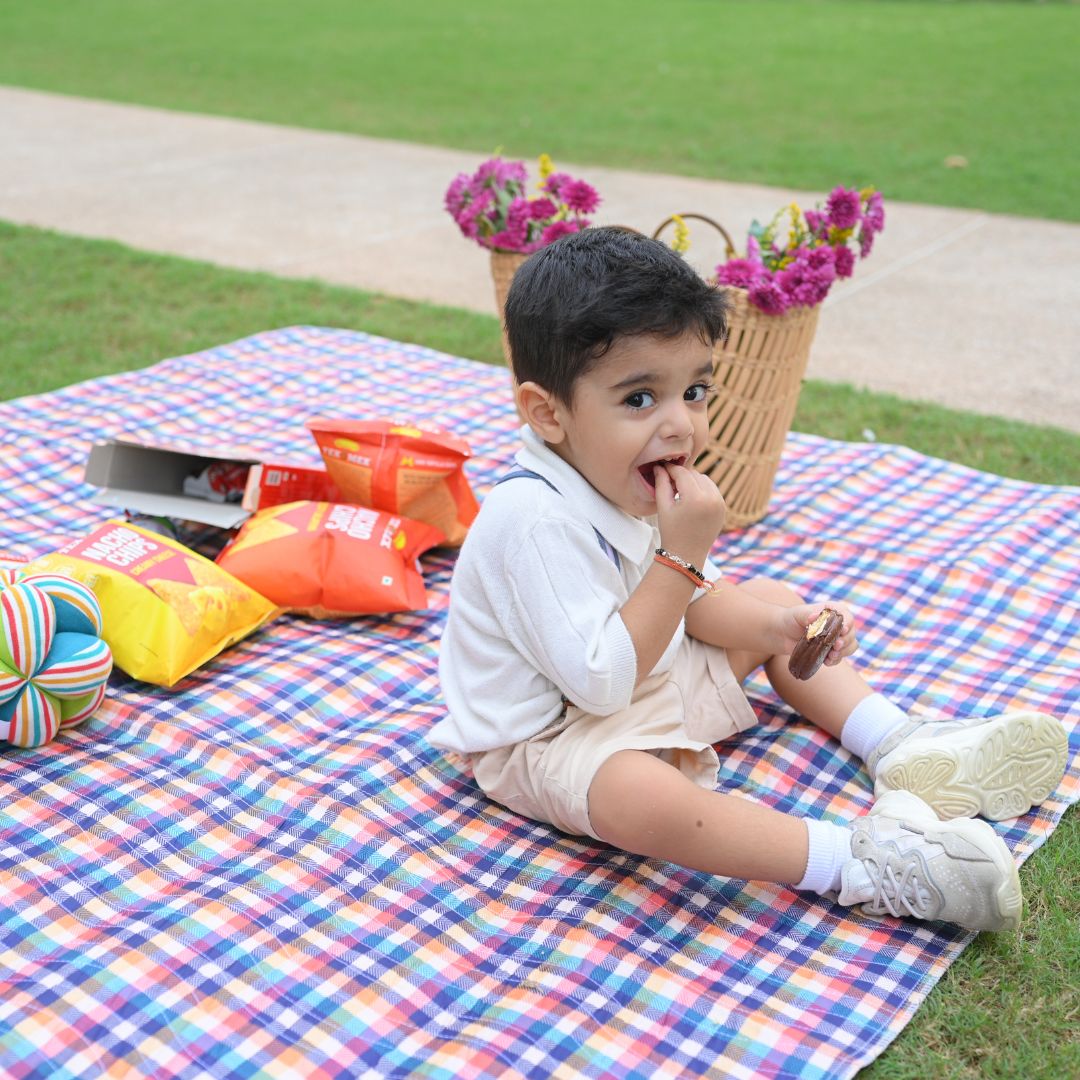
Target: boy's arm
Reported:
[(733, 619), (736, 619), (688, 527)]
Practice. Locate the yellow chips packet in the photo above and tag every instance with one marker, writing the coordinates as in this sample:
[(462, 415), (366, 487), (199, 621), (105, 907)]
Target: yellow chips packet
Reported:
[(165, 608)]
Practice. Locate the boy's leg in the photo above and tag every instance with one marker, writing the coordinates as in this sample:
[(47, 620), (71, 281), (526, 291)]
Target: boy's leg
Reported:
[(997, 766), (902, 861)]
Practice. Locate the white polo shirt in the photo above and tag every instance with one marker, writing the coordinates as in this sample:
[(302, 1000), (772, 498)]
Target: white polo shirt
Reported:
[(534, 607)]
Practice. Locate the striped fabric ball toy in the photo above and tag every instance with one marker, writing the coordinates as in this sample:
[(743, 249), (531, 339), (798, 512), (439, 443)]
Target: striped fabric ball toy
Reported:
[(53, 663)]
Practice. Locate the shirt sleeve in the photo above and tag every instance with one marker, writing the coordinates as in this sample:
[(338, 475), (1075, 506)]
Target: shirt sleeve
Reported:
[(564, 615)]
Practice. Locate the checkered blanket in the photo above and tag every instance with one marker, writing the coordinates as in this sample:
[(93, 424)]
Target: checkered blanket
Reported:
[(267, 872)]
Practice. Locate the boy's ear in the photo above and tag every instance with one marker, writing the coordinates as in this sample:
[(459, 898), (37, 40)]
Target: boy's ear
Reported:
[(541, 412)]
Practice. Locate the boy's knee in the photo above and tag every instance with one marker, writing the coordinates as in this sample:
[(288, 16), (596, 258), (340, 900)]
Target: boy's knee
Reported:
[(775, 592)]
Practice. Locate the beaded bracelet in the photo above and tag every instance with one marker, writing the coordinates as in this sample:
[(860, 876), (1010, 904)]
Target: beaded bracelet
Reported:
[(688, 570)]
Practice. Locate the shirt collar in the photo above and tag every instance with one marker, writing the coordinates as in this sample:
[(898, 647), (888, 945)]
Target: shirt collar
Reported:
[(630, 536)]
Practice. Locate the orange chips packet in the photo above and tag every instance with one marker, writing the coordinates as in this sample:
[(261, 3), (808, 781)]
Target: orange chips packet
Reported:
[(332, 560), (415, 470), (165, 609)]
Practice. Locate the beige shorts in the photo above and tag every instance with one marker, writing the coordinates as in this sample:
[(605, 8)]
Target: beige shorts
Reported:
[(677, 716)]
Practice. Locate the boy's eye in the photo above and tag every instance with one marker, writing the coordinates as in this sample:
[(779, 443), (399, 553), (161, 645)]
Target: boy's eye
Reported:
[(640, 399), (697, 392)]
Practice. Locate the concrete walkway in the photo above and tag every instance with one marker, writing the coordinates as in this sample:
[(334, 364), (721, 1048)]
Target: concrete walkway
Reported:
[(974, 311)]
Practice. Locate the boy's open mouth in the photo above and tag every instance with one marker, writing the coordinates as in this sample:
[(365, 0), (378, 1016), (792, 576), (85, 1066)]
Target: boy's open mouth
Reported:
[(648, 468)]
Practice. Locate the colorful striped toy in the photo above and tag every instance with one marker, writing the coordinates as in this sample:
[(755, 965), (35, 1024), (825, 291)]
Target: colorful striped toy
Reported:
[(53, 663)]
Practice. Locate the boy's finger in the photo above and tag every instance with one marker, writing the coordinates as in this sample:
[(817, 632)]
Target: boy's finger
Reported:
[(687, 479), (665, 489)]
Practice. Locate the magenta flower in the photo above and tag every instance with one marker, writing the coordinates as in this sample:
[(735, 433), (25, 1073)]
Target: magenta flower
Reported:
[(499, 173), (874, 215), (866, 243), (491, 206), (542, 209), (580, 197), (513, 237), (556, 182), (467, 218), (806, 281), (457, 195), (559, 229), (767, 295), (843, 208), (742, 273), (845, 261), (814, 220)]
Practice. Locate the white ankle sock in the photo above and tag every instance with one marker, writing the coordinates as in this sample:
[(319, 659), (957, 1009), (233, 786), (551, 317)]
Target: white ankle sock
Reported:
[(830, 848), (870, 722)]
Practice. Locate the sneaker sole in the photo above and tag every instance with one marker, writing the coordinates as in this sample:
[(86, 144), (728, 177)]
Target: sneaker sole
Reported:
[(999, 769)]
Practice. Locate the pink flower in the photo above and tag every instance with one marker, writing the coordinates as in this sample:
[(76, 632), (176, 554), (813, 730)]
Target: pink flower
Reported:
[(466, 219), (845, 261), (513, 237), (506, 241), (753, 249), (807, 280), (742, 273), (866, 243), (556, 182), (457, 195), (558, 229), (499, 173), (843, 207), (814, 220), (874, 215), (580, 197), (542, 209), (767, 295)]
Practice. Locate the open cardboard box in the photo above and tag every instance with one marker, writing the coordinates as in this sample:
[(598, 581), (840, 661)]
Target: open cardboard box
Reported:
[(150, 479)]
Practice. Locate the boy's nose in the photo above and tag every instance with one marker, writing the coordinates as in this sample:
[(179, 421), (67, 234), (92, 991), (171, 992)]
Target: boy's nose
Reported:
[(677, 422)]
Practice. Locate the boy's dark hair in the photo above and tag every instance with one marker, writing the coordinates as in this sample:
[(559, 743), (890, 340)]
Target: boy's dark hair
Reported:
[(573, 299)]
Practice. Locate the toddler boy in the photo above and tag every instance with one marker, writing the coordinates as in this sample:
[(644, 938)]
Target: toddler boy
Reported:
[(587, 673)]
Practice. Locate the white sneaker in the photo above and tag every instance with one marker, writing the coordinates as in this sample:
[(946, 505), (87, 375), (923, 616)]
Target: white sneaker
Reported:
[(908, 863), (996, 766)]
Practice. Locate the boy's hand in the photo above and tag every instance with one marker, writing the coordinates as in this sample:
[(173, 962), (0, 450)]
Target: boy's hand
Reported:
[(791, 624), (689, 524)]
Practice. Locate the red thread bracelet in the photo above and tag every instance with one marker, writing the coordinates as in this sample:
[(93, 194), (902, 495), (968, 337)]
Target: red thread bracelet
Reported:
[(688, 570)]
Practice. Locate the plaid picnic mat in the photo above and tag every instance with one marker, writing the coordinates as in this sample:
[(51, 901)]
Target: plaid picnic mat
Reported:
[(266, 872)]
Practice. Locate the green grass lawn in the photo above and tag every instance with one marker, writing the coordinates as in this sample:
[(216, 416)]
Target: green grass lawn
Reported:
[(781, 92), (72, 309)]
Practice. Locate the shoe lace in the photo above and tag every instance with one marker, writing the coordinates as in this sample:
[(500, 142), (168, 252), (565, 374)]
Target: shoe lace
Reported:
[(901, 895)]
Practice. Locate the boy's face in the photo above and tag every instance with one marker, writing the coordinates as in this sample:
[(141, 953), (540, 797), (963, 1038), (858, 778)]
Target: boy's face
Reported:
[(644, 403)]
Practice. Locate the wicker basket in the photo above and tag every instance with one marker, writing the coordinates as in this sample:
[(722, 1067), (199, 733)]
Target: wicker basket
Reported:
[(758, 374), (503, 268)]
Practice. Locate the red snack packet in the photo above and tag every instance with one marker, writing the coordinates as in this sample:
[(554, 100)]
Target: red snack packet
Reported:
[(274, 483), (332, 560), (415, 470)]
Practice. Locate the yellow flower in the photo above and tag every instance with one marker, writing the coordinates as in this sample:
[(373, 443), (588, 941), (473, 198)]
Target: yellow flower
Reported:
[(682, 235), (546, 169)]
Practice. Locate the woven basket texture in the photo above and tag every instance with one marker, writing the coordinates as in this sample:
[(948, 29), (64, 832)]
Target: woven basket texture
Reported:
[(758, 374), (503, 268)]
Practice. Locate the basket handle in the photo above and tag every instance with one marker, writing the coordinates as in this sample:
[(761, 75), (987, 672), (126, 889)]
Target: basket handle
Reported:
[(708, 220)]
